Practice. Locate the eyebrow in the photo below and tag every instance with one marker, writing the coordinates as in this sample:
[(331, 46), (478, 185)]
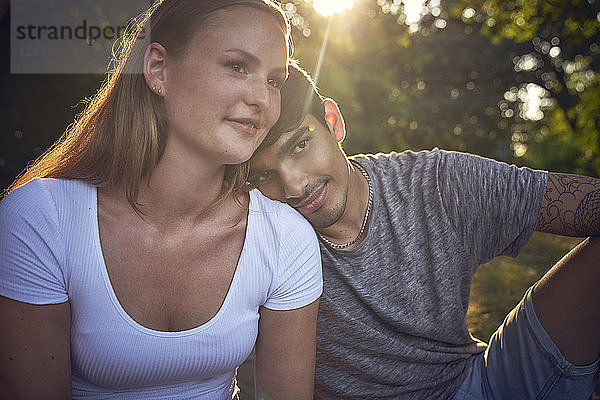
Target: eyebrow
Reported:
[(255, 60), (291, 141)]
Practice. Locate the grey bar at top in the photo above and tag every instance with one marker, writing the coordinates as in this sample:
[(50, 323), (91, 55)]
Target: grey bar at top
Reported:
[(68, 36)]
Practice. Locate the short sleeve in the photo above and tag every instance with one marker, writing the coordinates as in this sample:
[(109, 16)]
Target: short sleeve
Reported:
[(493, 206), (31, 249), (298, 279)]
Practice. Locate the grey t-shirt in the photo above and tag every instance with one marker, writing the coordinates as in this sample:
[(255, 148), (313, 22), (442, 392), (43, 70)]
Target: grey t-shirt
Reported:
[(392, 315)]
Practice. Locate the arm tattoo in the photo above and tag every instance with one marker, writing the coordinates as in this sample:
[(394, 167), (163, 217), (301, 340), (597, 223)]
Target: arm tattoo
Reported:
[(587, 214), (571, 206)]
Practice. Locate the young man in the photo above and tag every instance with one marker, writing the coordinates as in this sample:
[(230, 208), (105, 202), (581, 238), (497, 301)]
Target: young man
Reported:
[(401, 237)]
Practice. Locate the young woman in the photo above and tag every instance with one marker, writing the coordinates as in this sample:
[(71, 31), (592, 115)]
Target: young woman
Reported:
[(131, 265)]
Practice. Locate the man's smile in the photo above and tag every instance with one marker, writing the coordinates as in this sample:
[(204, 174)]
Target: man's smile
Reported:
[(314, 201)]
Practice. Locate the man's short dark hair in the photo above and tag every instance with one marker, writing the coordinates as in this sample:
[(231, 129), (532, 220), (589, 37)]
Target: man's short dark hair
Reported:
[(299, 96)]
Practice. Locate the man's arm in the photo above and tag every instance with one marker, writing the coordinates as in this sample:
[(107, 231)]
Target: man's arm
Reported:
[(571, 206)]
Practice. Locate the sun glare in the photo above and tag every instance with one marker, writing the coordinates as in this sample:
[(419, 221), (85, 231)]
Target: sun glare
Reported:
[(330, 7), (413, 10)]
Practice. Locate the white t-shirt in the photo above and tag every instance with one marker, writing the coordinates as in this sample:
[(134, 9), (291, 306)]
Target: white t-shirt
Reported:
[(50, 253)]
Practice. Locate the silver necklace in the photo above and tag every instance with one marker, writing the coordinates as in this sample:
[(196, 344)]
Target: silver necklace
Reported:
[(365, 219)]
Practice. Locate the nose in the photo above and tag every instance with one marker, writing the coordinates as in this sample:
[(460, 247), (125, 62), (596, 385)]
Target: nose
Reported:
[(258, 93), (294, 183)]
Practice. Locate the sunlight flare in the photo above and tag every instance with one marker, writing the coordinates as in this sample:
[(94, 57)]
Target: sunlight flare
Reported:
[(330, 7), (413, 10)]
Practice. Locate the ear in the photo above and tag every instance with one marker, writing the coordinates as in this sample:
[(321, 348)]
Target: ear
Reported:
[(335, 121), (154, 68)]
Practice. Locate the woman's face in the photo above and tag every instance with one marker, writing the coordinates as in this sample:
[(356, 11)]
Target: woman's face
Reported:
[(222, 95)]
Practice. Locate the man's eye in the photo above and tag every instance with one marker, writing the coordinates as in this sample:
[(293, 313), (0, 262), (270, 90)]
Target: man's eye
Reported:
[(237, 66), (303, 144), (263, 176), (257, 180), (275, 82)]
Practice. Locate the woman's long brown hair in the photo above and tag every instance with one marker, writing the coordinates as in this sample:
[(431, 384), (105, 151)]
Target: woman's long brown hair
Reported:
[(120, 136)]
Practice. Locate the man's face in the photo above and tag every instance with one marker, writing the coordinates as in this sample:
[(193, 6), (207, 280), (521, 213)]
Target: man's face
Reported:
[(307, 169)]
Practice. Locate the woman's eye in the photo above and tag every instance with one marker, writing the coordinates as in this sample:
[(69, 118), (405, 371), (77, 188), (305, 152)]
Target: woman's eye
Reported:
[(300, 146)]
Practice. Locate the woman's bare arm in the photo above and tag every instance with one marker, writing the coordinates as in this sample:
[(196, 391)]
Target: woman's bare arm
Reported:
[(35, 360), (284, 362)]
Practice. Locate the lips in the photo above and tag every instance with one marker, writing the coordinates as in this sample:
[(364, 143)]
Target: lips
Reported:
[(249, 126), (314, 201)]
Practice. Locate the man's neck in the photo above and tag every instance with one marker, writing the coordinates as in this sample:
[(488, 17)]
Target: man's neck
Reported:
[(348, 227)]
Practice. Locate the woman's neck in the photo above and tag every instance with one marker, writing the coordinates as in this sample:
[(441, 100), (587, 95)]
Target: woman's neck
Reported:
[(178, 189)]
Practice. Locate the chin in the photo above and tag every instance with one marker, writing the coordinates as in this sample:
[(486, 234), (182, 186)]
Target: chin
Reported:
[(324, 218), (238, 158), (240, 153)]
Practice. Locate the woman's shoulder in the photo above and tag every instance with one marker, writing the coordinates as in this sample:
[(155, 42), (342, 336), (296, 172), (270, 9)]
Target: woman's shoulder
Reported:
[(291, 252), (278, 218), (50, 186), (46, 194), (274, 209)]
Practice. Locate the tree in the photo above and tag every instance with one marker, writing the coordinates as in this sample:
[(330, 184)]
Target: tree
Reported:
[(556, 46), (466, 75)]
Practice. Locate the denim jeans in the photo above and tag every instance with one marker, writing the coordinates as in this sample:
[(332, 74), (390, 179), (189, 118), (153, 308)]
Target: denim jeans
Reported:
[(522, 362)]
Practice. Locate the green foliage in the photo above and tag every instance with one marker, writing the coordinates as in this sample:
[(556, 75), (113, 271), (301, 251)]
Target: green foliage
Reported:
[(560, 42), (399, 90), (445, 83)]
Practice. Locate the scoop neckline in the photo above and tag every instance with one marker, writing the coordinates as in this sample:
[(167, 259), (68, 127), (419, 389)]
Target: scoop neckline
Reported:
[(154, 332)]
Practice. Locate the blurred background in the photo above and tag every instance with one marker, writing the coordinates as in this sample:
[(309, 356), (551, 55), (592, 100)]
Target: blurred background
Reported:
[(514, 80)]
